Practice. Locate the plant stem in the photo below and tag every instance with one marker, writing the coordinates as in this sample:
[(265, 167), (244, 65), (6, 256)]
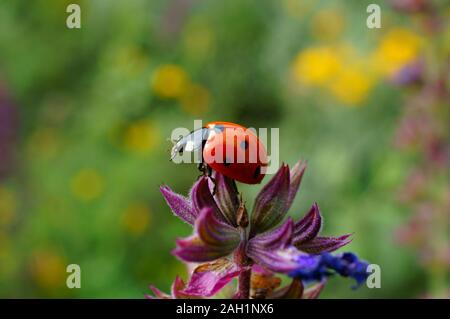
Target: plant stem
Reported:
[(241, 258), (244, 284)]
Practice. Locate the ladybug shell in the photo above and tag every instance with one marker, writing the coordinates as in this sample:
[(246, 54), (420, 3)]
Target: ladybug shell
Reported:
[(235, 152)]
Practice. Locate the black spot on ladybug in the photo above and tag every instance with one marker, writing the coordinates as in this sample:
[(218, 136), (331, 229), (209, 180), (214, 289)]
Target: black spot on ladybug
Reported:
[(257, 172), (244, 145), (219, 128)]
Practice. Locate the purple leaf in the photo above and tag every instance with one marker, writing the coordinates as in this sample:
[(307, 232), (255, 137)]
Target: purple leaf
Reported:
[(296, 176), (271, 249), (180, 205), (309, 226), (226, 197), (258, 269), (176, 291), (208, 279), (213, 239), (280, 237), (214, 232), (202, 198), (282, 260), (271, 203), (324, 244), (158, 294), (193, 249), (177, 286)]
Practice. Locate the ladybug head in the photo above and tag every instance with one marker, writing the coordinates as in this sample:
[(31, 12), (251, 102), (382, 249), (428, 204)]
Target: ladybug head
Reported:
[(190, 143)]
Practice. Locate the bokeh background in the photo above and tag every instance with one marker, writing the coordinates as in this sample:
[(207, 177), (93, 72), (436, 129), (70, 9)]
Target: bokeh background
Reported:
[(85, 117)]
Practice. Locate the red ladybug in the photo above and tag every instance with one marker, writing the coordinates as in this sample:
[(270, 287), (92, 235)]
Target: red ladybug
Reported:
[(227, 148)]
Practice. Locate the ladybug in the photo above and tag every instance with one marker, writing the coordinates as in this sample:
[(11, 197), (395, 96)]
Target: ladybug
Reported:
[(228, 148)]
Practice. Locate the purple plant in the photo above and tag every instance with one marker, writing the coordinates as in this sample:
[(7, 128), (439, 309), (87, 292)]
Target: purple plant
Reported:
[(228, 243), (410, 74), (423, 134), (410, 6)]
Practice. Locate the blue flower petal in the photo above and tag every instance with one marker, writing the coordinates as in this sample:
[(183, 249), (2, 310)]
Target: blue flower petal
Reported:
[(320, 267)]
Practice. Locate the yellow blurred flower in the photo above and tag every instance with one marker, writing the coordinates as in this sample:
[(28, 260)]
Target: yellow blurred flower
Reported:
[(316, 65), (327, 24), (352, 84), (169, 81), (196, 99), (48, 269), (338, 70), (141, 136), (136, 218), (87, 185), (398, 48), (8, 206)]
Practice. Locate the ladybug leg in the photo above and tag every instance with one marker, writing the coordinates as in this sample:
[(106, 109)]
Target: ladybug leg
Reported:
[(209, 173), (202, 169)]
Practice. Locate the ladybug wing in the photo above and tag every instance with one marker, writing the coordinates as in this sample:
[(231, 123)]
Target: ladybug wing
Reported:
[(236, 152)]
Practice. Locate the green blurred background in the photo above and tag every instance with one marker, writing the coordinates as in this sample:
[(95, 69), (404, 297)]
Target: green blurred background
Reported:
[(96, 106)]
